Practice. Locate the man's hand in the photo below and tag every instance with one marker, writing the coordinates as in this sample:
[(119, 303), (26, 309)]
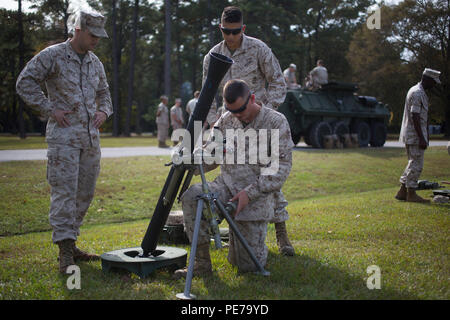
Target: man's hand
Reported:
[(242, 199), (99, 118), (60, 117)]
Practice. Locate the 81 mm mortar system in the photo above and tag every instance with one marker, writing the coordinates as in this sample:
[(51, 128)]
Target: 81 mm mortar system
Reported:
[(219, 65), (335, 109)]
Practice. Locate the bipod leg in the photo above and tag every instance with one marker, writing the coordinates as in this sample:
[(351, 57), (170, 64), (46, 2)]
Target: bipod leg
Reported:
[(186, 295), (241, 238)]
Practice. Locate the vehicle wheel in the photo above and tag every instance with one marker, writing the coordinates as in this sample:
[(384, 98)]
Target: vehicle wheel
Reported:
[(296, 138), (379, 133), (340, 128), (362, 129), (317, 132)]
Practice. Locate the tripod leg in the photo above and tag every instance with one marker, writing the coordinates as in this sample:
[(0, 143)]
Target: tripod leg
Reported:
[(186, 295), (241, 238)]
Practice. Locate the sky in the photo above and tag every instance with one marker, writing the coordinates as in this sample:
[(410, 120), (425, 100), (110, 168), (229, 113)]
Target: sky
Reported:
[(12, 4)]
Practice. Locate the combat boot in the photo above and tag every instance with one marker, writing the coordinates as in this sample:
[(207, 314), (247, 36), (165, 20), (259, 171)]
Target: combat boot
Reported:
[(202, 263), (284, 245), (65, 254), (402, 193), (412, 196), (80, 255)]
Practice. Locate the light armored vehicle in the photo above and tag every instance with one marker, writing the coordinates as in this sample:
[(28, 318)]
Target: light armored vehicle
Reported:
[(335, 109)]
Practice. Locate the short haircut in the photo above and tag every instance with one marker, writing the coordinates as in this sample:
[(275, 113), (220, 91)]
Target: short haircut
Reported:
[(320, 61), (232, 15), (234, 89), (196, 93)]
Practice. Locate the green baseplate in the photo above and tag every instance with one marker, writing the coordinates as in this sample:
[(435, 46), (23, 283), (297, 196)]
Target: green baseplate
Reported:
[(130, 259)]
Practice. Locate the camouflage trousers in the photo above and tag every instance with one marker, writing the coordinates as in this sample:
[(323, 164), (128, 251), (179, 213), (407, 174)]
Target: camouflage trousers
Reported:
[(163, 132), (72, 174), (414, 167), (253, 231), (281, 214)]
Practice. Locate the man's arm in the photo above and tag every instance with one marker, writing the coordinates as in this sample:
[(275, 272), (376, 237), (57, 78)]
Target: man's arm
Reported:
[(416, 121), (32, 76), (415, 108), (270, 183), (270, 67), (103, 95)]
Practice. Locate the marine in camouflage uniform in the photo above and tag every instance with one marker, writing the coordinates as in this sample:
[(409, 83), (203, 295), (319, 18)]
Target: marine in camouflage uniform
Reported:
[(255, 63), (237, 178), (176, 118), (162, 122), (78, 102), (414, 134)]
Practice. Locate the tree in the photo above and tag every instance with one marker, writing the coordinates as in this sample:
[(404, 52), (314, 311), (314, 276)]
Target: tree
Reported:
[(131, 69), (168, 47), (422, 27), (377, 67), (22, 132)]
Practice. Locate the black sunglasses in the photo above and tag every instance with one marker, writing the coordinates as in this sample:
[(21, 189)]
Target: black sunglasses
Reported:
[(233, 31), (241, 109)]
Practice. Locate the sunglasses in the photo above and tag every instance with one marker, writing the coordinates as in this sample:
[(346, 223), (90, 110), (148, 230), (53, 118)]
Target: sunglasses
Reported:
[(229, 31), (241, 109)]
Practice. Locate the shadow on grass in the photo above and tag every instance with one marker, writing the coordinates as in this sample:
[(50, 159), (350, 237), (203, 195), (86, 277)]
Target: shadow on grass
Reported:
[(300, 278), (379, 152)]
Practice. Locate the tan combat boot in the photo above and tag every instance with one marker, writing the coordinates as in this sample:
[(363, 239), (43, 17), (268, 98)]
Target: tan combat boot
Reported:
[(202, 263), (80, 255), (284, 245), (65, 254), (401, 194), (412, 196)]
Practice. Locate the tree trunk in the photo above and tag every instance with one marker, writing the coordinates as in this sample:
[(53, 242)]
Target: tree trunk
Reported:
[(22, 132), (131, 70), (115, 58), (167, 51)]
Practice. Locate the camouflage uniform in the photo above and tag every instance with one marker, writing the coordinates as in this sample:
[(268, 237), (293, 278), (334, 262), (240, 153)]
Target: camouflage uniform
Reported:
[(73, 152), (416, 102), (176, 112), (319, 76), (162, 122), (255, 63), (261, 189)]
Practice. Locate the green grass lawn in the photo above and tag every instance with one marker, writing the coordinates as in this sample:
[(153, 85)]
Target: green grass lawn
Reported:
[(8, 142), (343, 218)]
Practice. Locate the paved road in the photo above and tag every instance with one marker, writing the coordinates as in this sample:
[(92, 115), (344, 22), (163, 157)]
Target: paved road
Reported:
[(41, 154)]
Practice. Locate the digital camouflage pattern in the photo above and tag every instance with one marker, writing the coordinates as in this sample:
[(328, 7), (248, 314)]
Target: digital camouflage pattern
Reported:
[(414, 168), (416, 102), (162, 122), (72, 86), (261, 189), (72, 174), (254, 231), (74, 152), (255, 63), (176, 112), (163, 117)]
